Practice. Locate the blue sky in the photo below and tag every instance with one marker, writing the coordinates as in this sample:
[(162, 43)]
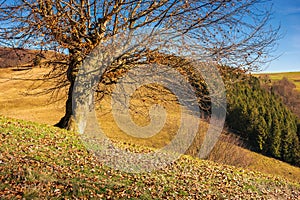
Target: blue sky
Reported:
[(287, 14)]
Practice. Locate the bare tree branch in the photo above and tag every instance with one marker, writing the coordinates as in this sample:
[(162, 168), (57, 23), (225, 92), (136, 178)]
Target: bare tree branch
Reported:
[(235, 33)]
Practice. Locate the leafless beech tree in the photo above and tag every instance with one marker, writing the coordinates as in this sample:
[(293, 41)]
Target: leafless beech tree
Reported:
[(232, 32)]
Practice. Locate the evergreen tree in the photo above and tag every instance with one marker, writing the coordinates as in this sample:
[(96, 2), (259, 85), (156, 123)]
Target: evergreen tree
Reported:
[(260, 116)]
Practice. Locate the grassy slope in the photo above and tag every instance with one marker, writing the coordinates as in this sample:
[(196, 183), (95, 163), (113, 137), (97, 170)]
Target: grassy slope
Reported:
[(39, 161), (293, 76), (15, 103), (36, 108)]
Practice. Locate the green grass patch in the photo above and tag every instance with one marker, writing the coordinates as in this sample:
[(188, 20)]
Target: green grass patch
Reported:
[(42, 162)]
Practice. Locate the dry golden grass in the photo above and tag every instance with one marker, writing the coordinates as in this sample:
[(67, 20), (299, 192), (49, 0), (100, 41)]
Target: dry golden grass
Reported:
[(272, 166), (140, 104), (37, 108), (15, 103)]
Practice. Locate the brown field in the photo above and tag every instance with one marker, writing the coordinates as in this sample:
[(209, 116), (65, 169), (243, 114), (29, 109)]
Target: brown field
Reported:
[(15, 104)]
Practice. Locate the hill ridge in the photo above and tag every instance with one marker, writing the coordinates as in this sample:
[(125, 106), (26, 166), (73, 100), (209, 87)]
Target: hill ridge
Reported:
[(39, 161)]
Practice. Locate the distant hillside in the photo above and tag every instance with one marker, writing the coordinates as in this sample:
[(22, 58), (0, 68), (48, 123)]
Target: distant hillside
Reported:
[(16, 57), (292, 76), (286, 85)]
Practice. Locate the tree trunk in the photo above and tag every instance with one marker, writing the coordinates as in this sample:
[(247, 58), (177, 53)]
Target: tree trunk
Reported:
[(67, 121)]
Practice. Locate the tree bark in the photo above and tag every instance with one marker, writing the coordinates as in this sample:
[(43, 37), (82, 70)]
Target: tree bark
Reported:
[(67, 121)]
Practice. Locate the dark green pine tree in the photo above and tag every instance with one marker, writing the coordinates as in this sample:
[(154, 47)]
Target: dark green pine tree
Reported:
[(274, 139), (262, 133), (289, 139), (263, 120)]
